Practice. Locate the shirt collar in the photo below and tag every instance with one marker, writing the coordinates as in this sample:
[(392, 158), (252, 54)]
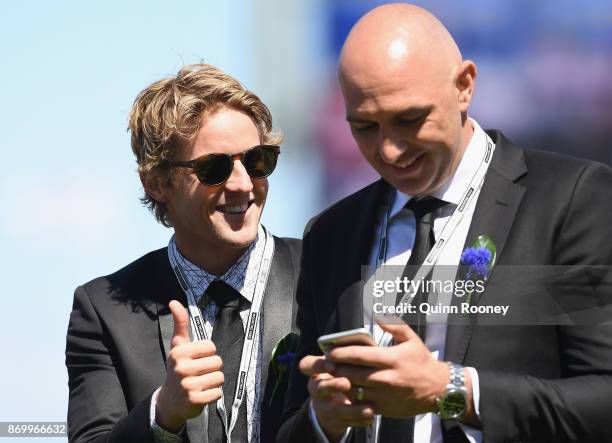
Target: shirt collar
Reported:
[(455, 187), (242, 276)]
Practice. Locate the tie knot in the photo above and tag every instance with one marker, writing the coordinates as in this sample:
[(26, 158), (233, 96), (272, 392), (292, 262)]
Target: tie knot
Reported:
[(223, 294), (422, 206)]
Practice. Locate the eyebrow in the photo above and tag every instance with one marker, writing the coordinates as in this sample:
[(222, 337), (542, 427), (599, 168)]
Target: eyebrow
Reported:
[(352, 119), (415, 110)]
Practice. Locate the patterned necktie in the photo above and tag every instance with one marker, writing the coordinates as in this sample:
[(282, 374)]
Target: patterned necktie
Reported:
[(228, 336)]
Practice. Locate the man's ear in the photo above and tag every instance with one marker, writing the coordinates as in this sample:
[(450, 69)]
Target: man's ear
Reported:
[(155, 185), (466, 82)]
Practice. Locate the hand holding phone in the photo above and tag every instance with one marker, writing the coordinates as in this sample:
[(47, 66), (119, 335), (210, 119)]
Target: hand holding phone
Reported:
[(352, 337)]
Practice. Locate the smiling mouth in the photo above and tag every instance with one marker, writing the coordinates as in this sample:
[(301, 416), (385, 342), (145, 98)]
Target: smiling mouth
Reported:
[(407, 164), (235, 208)]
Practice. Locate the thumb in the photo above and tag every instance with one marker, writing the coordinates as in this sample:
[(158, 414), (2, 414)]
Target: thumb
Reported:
[(400, 331), (181, 324)]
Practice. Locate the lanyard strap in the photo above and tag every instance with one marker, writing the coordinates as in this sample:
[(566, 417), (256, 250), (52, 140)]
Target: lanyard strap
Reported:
[(450, 227), (197, 325)]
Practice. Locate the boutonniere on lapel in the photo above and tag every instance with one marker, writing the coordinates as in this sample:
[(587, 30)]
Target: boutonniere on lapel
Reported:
[(479, 259), (283, 357)]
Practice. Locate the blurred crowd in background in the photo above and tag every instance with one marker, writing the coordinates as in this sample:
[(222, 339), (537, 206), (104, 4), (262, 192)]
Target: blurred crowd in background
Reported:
[(544, 78)]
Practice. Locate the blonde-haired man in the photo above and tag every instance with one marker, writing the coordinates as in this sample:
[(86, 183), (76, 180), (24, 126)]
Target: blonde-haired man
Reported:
[(176, 346)]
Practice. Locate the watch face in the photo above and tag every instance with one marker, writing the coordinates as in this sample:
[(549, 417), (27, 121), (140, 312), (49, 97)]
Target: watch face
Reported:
[(453, 405)]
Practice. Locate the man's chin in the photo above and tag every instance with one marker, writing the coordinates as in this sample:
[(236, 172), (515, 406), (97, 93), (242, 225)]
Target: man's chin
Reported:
[(422, 184), (412, 189), (238, 238), (415, 187)]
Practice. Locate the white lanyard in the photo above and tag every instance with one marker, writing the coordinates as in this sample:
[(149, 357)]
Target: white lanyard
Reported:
[(476, 182), (431, 259), (199, 333)]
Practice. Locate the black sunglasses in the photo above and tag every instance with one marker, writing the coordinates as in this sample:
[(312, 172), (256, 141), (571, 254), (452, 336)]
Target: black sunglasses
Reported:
[(214, 169)]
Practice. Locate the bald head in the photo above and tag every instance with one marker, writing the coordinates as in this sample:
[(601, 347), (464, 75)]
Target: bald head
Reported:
[(395, 37), (407, 92)]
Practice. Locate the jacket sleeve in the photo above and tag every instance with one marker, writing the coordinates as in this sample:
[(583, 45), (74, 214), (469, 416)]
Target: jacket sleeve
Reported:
[(575, 407), (97, 410)]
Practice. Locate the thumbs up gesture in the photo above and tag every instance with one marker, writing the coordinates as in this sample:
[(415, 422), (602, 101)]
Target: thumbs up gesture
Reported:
[(193, 375)]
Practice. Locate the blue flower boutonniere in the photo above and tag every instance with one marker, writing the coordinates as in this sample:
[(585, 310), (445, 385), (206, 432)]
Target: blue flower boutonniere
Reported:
[(479, 259), (283, 358)]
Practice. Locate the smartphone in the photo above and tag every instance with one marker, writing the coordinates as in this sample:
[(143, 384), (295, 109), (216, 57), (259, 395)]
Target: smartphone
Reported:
[(352, 337)]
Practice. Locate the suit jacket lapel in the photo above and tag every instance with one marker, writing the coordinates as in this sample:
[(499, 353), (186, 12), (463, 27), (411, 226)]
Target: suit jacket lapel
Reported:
[(361, 232), (277, 303), (494, 214), (169, 289)]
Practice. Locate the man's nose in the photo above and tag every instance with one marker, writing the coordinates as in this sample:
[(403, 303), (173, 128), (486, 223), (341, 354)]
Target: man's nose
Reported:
[(390, 148), (239, 180)]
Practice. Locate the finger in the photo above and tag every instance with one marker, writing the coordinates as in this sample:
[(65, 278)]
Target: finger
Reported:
[(312, 365), (195, 349), (349, 414), (204, 365), (364, 376), (181, 324), (370, 356), (369, 395), (400, 331), (205, 397), (329, 387), (203, 382), (358, 394)]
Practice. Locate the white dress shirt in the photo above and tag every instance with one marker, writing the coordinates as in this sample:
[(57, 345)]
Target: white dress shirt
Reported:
[(401, 230), (242, 276)]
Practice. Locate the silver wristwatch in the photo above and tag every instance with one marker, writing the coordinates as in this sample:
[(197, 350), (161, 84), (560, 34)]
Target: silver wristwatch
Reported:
[(452, 404)]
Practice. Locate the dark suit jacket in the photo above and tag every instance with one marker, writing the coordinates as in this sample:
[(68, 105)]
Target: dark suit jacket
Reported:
[(119, 336), (537, 383)]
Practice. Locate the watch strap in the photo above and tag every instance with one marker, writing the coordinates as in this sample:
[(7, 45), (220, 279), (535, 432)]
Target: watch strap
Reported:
[(455, 394), (457, 375)]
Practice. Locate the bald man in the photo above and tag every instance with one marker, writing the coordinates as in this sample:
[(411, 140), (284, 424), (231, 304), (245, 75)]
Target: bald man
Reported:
[(446, 181)]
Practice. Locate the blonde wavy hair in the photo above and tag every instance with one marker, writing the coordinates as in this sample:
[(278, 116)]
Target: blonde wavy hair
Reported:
[(166, 116)]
